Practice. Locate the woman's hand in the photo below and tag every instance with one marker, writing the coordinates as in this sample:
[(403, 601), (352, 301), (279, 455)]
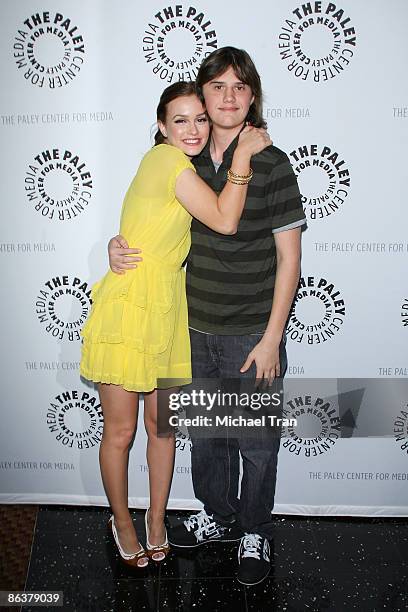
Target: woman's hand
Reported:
[(266, 357), (253, 140), (119, 255)]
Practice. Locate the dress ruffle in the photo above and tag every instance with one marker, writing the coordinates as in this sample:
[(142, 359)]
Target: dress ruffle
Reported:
[(137, 312), (131, 325)]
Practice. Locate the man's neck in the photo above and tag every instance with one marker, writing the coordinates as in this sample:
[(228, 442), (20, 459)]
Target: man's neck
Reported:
[(221, 139)]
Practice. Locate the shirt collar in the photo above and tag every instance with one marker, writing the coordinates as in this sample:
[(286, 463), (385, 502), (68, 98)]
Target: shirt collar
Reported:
[(228, 153)]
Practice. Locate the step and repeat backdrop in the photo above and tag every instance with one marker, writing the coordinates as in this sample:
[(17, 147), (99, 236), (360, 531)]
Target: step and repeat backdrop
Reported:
[(80, 83)]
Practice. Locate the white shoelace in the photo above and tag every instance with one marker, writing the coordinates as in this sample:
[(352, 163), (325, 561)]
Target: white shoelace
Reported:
[(201, 524), (251, 545)]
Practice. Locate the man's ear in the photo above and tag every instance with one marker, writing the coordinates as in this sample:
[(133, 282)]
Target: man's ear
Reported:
[(162, 128)]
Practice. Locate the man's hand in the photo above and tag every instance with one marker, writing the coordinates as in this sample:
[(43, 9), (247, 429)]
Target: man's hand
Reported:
[(266, 357), (120, 258)]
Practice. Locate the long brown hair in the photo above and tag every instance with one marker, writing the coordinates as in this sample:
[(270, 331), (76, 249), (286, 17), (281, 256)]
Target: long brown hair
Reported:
[(176, 90), (239, 60)]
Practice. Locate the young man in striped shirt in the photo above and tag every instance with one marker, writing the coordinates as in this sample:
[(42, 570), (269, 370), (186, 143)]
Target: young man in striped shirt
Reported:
[(239, 290)]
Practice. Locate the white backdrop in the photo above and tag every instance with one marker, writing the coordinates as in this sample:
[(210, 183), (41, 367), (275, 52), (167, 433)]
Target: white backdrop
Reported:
[(78, 94)]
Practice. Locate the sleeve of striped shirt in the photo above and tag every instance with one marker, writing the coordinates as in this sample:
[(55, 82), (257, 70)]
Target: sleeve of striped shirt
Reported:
[(289, 227), (283, 196)]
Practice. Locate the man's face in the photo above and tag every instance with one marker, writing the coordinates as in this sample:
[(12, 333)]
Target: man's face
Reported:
[(227, 100)]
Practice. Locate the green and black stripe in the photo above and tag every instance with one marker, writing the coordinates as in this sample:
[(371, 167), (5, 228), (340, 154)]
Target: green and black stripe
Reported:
[(230, 279)]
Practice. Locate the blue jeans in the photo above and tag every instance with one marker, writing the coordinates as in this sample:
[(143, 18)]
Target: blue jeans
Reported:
[(215, 462)]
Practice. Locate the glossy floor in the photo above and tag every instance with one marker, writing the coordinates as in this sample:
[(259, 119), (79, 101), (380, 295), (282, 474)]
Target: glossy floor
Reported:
[(318, 564)]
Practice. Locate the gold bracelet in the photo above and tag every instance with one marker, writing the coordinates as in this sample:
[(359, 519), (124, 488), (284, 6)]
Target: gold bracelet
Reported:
[(238, 182), (241, 176), (239, 179)]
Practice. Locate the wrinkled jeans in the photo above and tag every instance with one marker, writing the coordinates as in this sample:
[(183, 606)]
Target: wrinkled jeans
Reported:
[(215, 462)]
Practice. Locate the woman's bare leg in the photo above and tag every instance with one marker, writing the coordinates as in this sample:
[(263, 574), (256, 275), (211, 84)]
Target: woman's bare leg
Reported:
[(160, 459), (120, 411)]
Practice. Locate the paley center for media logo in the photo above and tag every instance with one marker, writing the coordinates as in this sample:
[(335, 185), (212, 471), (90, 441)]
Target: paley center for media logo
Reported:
[(317, 42), (75, 419), (176, 40), (324, 179), (401, 429), (62, 306), (316, 427), (58, 184), (318, 311), (49, 49)]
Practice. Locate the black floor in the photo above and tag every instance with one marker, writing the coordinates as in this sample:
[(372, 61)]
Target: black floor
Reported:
[(319, 564)]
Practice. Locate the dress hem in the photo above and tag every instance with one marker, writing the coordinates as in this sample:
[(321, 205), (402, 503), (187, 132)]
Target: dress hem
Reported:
[(137, 387)]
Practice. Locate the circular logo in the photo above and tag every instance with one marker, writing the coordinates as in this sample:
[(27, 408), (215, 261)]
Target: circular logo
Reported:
[(324, 179), (317, 313), (401, 430), (49, 49), (58, 184), (176, 41), (62, 307), (404, 313), (75, 419), (317, 426), (317, 42)]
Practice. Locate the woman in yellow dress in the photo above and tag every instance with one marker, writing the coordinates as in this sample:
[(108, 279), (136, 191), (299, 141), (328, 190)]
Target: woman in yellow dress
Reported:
[(136, 337)]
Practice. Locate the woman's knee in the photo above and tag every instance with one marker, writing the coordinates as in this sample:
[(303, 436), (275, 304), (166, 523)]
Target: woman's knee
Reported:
[(158, 428), (120, 437)]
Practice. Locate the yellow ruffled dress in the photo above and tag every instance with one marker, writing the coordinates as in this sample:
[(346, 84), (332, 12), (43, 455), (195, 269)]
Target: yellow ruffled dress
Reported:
[(136, 335)]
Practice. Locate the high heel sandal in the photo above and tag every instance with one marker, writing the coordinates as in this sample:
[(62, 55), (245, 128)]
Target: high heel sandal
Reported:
[(140, 559), (160, 551)]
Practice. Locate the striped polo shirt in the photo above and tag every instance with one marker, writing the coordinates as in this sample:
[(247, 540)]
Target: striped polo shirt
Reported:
[(230, 279)]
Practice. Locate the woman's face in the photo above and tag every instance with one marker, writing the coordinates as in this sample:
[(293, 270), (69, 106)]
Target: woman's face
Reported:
[(186, 125)]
